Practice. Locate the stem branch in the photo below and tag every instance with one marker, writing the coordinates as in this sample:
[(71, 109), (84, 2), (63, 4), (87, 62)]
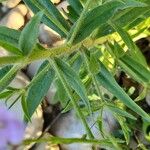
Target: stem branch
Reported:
[(68, 91)]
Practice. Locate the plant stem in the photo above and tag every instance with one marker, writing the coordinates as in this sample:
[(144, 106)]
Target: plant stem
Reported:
[(59, 140), (43, 53), (64, 49), (92, 76), (68, 91), (9, 60), (80, 21)]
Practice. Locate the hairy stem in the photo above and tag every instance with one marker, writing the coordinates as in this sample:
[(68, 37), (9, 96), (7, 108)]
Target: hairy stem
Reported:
[(43, 53)]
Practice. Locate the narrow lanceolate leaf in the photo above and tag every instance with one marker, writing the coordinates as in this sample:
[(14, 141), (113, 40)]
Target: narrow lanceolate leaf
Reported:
[(53, 11), (9, 35), (127, 19), (28, 37), (139, 72), (130, 65), (39, 87), (93, 63), (74, 81), (101, 15), (7, 74), (71, 14), (76, 5), (119, 111), (126, 130), (5, 94), (115, 50), (9, 39), (48, 19), (107, 81), (24, 107), (135, 52)]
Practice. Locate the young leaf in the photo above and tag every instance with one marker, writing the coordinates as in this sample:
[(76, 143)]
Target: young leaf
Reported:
[(39, 87), (28, 37), (107, 81)]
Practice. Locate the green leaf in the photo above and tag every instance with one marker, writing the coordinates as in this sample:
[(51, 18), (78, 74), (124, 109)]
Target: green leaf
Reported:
[(10, 35), (94, 64), (7, 74), (39, 87), (120, 112), (10, 48), (62, 96), (9, 40), (126, 130), (25, 107), (142, 95), (5, 94), (139, 72), (125, 18), (135, 52), (130, 65), (28, 37), (48, 19), (101, 15), (76, 5), (71, 14), (4, 71), (107, 81), (53, 11), (114, 142), (74, 81), (115, 50)]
